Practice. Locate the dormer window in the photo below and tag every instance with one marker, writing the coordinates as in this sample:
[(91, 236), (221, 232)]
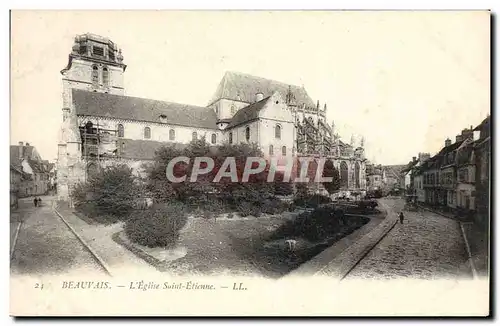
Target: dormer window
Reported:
[(111, 55), (163, 118), (97, 50)]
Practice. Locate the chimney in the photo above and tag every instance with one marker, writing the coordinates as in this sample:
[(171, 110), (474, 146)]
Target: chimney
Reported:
[(458, 138), (466, 133), (423, 156), (447, 142), (21, 150), (259, 97)]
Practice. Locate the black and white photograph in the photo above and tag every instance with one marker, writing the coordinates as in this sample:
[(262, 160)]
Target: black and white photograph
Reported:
[(250, 163)]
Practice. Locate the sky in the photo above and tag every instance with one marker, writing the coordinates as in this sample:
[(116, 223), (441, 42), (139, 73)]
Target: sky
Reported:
[(405, 81)]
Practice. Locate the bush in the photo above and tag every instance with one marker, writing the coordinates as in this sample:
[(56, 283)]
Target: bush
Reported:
[(158, 227), (367, 204), (273, 206), (111, 191), (312, 226), (312, 201), (246, 208), (282, 188)]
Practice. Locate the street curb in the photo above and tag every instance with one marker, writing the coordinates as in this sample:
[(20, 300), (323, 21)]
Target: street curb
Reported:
[(84, 243), (370, 247), (12, 249), (467, 246)]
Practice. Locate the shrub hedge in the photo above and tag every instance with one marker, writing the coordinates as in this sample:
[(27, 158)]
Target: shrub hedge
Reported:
[(157, 227)]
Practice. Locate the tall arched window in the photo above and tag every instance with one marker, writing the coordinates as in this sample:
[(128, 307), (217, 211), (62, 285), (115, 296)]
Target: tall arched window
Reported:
[(147, 133), (357, 176), (214, 138), (95, 74), (344, 175), (277, 132), (121, 131), (247, 133), (171, 134), (283, 150), (233, 109), (230, 137), (105, 76), (195, 135), (271, 150)]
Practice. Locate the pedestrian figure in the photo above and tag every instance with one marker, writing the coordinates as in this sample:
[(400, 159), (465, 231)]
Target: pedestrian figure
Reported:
[(401, 217), (39, 201), (35, 201)]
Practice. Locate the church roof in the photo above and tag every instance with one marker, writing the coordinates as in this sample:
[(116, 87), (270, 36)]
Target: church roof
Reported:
[(141, 109), (248, 113), (143, 149), (243, 87)]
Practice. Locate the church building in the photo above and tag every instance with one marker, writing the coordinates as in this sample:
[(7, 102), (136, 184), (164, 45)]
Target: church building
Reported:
[(102, 126)]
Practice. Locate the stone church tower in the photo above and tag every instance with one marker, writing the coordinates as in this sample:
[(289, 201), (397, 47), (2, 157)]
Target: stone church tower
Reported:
[(95, 64)]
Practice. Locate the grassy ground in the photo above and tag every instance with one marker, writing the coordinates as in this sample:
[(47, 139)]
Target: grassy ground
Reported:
[(214, 246), (246, 247)]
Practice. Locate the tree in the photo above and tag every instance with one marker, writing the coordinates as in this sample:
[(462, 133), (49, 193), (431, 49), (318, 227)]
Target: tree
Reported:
[(111, 191), (329, 170)]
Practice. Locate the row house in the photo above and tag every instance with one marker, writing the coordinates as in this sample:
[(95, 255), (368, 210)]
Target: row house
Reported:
[(482, 159), (457, 178), (410, 180), (35, 172)]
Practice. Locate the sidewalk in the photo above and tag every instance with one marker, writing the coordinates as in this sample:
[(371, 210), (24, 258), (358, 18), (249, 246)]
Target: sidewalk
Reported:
[(442, 213), (119, 260)]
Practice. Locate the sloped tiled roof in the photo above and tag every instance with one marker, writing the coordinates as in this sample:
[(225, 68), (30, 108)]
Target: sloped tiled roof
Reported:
[(450, 148), (17, 169), (143, 149), (484, 124), (244, 87), (141, 109), (247, 113)]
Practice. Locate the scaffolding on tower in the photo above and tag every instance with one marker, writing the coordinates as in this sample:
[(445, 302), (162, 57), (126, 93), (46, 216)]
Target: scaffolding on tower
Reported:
[(93, 139)]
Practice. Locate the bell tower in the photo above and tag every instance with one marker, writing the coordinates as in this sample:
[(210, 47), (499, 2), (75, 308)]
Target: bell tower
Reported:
[(95, 64)]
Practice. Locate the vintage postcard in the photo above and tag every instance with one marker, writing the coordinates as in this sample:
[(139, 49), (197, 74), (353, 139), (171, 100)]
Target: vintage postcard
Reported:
[(250, 163)]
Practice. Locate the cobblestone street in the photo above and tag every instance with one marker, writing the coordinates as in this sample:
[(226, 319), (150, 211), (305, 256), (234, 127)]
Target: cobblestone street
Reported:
[(426, 246), (45, 245)]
